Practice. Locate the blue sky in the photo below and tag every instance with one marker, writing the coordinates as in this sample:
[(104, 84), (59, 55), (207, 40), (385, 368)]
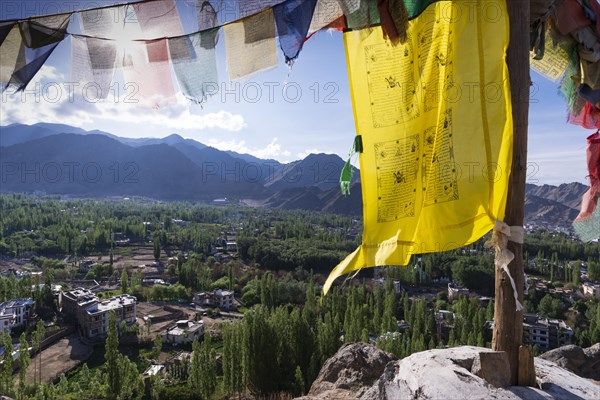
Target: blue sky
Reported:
[(262, 116)]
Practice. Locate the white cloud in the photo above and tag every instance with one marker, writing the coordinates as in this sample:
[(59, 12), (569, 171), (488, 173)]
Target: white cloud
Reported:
[(272, 150), (556, 167), (49, 99)]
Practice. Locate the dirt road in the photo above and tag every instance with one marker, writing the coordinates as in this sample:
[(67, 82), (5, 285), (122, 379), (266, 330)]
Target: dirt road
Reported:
[(63, 355)]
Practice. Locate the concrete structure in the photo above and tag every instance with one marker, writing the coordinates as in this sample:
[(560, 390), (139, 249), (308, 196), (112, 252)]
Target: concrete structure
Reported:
[(223, 299), (231, 246), (454, 292), (74, 303), (91, 314), (546, 333), (7, 320), (153, 370), (16, 313), (184, 332), (591, 289)]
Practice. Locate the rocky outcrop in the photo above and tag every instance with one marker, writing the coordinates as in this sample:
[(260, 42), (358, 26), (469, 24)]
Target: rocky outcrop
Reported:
[(456, 373), (350, 372), (583, 362)]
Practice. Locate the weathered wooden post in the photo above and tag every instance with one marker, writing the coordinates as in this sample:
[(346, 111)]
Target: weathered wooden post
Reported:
[(508, 322)]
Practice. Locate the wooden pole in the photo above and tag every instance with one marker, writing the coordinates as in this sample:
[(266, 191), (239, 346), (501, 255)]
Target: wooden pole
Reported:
[(508, 323)]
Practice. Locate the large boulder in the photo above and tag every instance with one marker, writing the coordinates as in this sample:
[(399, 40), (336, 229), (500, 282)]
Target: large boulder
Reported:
[(447, 374), (591, 369), (440, 374), (570, 357), (583, 362), (352, 370)]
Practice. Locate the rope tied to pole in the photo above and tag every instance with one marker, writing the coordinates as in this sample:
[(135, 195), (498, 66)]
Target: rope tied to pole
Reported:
[(501, 234)]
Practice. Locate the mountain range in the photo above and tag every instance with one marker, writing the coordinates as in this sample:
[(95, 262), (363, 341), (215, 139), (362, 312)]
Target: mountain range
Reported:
[(62, 159)]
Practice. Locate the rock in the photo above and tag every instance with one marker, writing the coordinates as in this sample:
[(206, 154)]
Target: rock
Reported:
[(563, 384), (331, 394), (353, 367), (570, 357), (434, 374), (438, 374), (583, 362), (493, 367), (592, 367)]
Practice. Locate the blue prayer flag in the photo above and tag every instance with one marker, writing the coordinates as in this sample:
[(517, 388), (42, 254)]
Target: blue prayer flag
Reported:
[(292, 19)]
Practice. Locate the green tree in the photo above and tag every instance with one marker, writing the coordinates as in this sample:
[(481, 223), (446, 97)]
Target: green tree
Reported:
[(124, 281), (388, 321), (157, 347), (6, 369), (195, 376), (111, 356), (576, 272), (38, 336), (298, 383), (550, 307), (208, 369), (156, 244), (24, 361)]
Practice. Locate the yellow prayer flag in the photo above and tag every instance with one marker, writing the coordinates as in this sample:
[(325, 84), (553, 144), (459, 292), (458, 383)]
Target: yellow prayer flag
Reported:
[(12, 54), (434, 116), (250, 44), (554, 64)]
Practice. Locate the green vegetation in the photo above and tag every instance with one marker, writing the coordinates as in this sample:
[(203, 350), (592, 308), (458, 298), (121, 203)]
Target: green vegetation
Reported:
[(288, 331)]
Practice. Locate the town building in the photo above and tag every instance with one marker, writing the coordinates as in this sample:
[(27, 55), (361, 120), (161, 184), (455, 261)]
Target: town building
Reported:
[(184, 331), (591, 290), (91, 314), (546, 333), (223, 299), (7, 320), (231, 246), (454, 292), (16, 313)]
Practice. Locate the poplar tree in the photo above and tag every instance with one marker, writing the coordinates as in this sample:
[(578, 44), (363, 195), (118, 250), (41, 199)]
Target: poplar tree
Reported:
[(208, 369), (195, 367), (157, 347), (6, 369), (38, 336), (112, 357), (124, 281), (24, 361)]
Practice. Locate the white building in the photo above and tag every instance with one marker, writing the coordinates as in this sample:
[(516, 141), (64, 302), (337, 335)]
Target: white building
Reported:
[(153, 370), (15, 313), (223, 299), (454, 292), (184, 332), (7, 319), (591, 289)]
